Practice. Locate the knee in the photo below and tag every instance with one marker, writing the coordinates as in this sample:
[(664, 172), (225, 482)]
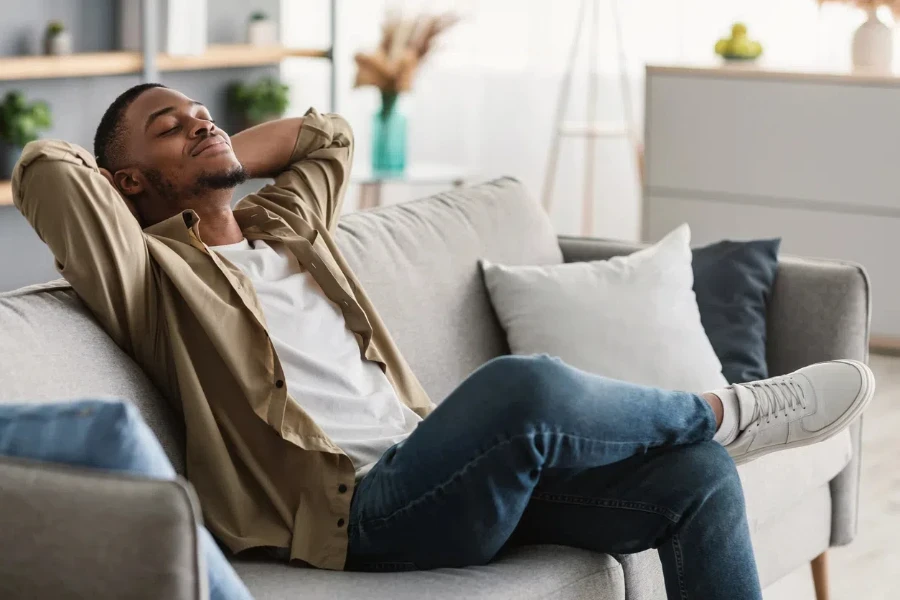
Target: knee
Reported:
[(713, 475), (528, 386)]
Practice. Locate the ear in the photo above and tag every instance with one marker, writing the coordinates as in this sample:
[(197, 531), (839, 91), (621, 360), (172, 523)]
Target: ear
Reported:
[(128, 202), (128, 181)]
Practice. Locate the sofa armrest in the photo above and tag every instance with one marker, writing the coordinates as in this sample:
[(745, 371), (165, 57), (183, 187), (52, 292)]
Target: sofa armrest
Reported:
[(73, 533), (819, 310)]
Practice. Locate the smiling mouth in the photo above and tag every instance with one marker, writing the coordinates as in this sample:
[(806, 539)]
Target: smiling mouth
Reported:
[(206, 145)]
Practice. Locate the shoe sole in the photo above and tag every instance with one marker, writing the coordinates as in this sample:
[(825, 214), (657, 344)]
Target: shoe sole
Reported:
[(862, 400)]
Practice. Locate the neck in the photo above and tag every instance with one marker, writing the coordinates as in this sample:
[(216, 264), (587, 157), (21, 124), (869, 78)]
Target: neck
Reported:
[(218, 226)]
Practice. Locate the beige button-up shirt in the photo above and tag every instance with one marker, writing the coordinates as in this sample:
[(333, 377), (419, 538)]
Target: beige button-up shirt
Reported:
[(265, 472)]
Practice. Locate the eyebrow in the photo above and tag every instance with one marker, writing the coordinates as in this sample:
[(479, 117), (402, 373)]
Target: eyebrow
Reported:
[(163, 111)]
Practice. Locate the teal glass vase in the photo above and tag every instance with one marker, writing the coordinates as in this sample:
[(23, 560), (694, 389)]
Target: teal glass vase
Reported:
[(389, 137)]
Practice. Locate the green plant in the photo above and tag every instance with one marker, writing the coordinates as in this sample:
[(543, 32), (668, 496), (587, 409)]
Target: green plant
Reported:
[(266, 99), (259, 16), (21, 121), (55, 28)]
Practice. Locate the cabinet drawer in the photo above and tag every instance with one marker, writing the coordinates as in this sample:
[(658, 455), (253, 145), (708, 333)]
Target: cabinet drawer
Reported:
[(834, 143)]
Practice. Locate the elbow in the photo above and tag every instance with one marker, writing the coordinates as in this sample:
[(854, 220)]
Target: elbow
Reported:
[(342, 132)]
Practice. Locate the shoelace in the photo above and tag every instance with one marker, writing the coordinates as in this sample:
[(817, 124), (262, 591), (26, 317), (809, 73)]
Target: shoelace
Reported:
[(774, 398)]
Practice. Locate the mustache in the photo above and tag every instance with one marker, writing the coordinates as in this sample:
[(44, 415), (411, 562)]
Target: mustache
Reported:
[(205, 141)]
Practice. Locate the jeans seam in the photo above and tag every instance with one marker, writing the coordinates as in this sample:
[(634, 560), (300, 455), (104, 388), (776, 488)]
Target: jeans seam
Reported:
[(458, 473), (679, 566), (609, 503)]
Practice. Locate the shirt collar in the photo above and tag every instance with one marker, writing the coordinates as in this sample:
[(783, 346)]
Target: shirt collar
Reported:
[(252, 219), (181, 227), (184, 226)]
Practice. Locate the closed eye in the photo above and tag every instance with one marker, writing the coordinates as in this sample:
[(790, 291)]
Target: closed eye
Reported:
[(170, 131)]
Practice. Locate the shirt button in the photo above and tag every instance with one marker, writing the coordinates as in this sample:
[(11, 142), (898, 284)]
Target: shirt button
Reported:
[(340, 522), (342, 488), (279, 384)]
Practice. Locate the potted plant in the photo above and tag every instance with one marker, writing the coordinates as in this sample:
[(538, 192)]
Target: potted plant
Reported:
[(255, 103), (261, 30), (57, 40), (405, 42), (20, 123)]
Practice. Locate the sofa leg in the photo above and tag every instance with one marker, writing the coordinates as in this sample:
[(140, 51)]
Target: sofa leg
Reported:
[(820, 576)]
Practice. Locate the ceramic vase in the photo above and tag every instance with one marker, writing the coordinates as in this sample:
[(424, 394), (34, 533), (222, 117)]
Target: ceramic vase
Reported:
[(873, 44), (389, 136), (262, 32), (58, 44)]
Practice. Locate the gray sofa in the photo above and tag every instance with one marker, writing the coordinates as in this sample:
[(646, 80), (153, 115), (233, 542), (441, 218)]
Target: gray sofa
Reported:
[(74, 533)]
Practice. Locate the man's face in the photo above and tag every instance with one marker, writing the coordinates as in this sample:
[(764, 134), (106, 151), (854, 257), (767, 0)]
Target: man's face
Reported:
[(176, 148)]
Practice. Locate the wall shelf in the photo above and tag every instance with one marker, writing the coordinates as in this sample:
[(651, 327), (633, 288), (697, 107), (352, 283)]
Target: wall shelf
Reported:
[(5, 193), (14, 68)]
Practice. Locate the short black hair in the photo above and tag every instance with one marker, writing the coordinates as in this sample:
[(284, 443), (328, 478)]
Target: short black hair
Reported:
[(108, 138)]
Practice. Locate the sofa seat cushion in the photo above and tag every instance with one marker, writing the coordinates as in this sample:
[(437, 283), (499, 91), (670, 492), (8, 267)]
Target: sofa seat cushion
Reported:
[(774, 482), (521, 573)]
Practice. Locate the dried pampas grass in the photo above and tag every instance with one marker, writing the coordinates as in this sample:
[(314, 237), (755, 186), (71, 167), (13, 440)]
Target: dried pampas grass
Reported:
[(894, 5), (405, 42)]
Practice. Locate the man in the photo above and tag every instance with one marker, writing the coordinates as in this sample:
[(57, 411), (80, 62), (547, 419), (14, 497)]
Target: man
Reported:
[(306, 429)]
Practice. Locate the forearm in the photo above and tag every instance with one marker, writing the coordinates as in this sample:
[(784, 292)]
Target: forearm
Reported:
[(97, 243), (265, 150), (311, 181)]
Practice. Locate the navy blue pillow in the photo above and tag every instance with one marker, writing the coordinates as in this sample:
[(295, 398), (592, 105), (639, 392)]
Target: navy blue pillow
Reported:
[(733, 283)]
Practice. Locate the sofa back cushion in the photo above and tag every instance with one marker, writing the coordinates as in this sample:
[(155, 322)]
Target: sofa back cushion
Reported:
[(51, 348), (419, 263)]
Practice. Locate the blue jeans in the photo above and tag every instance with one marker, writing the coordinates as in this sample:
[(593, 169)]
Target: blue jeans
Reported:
[(531, 451), (104, 435)]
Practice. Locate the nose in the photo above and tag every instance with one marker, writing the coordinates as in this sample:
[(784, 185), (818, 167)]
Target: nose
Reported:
[(202, 128)]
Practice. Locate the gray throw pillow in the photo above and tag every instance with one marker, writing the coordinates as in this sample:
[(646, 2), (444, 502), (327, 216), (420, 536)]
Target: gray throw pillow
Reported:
[(632, 318)]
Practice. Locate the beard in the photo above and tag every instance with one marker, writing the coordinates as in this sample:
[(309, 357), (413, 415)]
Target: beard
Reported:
[(206, 181), (225, 180)]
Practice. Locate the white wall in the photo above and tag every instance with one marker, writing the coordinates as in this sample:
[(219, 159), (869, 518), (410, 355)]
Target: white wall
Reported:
[(485, 101)]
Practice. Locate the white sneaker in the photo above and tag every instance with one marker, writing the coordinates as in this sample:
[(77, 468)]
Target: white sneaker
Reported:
[(804, 407)]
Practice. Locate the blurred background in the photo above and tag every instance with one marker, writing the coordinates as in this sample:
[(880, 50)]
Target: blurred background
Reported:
[(482, 103), (745, 118)]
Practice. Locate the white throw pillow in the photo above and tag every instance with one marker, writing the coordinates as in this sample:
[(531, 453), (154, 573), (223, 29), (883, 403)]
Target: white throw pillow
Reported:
[(633, 318)]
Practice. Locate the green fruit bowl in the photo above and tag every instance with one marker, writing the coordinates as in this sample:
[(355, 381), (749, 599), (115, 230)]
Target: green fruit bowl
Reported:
[(739, 57)]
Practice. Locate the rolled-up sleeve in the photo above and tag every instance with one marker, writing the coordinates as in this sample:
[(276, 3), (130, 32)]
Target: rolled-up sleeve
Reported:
[(98, 245), (316, 179)]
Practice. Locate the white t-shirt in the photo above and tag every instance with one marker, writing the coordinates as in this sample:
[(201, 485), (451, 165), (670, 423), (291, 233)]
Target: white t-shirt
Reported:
[(349, 397)]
